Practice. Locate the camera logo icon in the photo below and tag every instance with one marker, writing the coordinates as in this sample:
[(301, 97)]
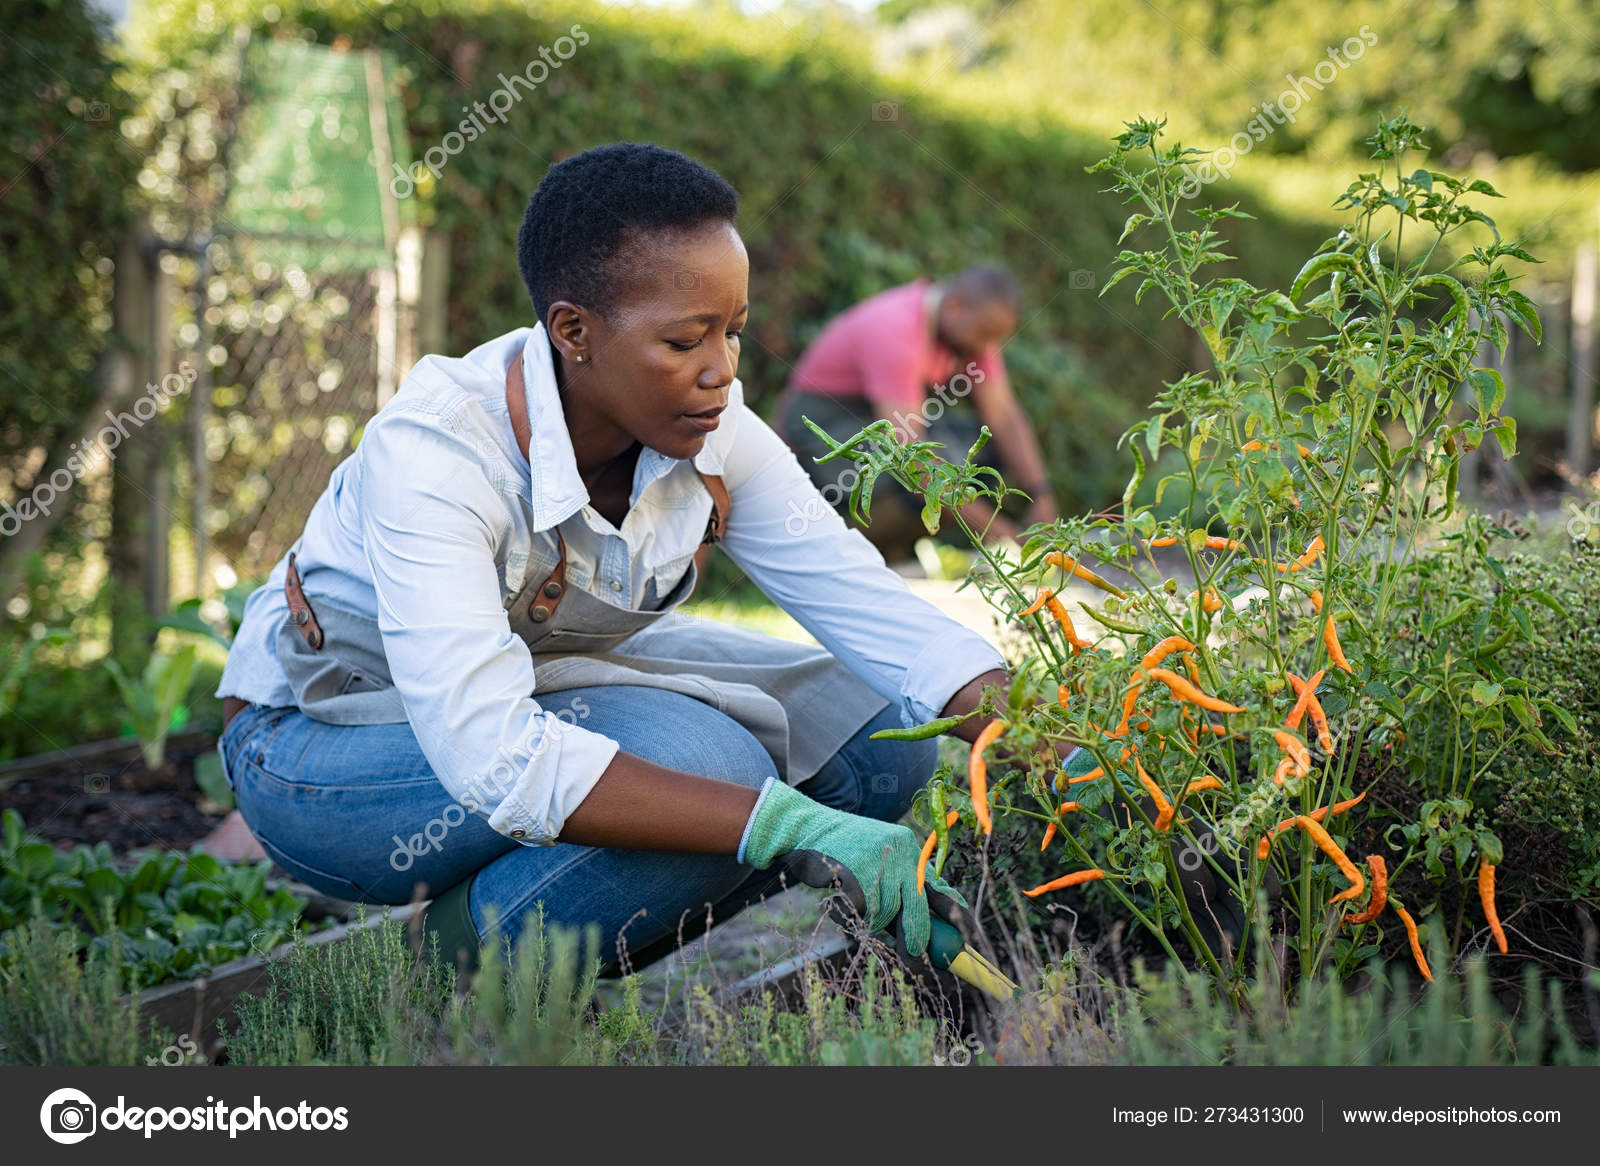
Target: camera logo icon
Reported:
[(68, 1116), (685, 280), (96, 111), (1081, 280), (886, 111)]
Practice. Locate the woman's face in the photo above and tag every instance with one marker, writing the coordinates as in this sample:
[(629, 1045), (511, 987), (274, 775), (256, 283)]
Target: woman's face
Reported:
[(656, 369)]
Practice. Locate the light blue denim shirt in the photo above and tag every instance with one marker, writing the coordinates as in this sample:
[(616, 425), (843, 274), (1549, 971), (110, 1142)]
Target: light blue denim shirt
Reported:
[(436, 521)]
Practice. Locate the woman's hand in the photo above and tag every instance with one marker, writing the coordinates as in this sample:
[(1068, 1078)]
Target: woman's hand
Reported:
[(874, 863)]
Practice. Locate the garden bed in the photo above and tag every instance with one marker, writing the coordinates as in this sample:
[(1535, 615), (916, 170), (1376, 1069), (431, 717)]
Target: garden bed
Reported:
[(104, 792)]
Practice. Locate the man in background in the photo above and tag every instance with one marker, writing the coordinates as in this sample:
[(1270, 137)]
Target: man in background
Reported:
[(912, 355)]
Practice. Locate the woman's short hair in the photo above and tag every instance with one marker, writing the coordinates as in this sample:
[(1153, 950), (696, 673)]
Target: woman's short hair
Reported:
[(592, 210)]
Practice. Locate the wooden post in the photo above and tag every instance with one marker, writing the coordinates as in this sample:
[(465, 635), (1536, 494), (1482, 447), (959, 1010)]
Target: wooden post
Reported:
[(199, 414), (432, 292), (137, 550), (408, 286), (1581, 421), (385, 305)]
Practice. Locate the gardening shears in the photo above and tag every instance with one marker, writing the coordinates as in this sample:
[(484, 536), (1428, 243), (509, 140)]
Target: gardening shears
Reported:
[(947, 950)]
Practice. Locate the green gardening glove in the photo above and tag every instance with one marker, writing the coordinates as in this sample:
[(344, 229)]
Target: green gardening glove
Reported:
[(874, 863)]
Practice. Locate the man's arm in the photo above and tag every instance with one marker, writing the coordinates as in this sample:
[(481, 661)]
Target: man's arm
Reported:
[(1014, 438)]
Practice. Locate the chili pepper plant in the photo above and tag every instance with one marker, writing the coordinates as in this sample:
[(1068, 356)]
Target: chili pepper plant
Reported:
[(1230, 718)]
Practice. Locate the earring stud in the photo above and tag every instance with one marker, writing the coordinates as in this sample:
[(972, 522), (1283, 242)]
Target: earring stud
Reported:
[(580, 358)]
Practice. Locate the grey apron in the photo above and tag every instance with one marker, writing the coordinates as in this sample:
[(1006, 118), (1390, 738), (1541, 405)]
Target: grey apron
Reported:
[(800, 702)]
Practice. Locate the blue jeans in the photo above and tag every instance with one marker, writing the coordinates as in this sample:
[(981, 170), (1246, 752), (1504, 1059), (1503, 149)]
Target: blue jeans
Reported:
[(356, 812)]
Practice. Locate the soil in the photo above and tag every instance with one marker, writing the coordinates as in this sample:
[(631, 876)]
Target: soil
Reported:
[(122, 803)]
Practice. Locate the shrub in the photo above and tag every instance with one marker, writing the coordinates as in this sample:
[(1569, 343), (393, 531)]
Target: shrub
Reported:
[(57, 1008), (1319, 456)]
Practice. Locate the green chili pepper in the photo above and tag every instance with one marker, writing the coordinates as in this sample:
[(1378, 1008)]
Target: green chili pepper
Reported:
[(977, 446), (1494, 645), (1114, 624), (936, 794), (1137, 480), (919, 732)]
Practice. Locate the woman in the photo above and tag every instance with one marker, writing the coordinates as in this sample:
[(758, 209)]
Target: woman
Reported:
[(467, 673)]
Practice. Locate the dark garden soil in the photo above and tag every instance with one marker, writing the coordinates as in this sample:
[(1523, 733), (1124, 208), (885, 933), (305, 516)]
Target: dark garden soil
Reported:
[(119, 802)]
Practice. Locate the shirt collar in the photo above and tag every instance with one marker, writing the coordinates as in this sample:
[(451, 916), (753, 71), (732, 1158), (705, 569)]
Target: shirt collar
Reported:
[(557, 491)]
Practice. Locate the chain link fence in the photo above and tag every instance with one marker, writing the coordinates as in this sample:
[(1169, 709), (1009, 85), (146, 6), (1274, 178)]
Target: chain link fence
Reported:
[(296, 363)]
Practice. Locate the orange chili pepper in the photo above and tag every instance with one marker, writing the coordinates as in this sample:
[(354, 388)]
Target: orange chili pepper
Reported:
[(1316, 600), (1050, 830), (1298, 712), (1038, 601), (1165, 540), (1252, 446), (1284, 766), (1128, 700), (1072, 567), (1216, 542), (1074, 879), (1486, 896), (1301, 450), (1306, 558), (978, 773), (1201, 784), (924, 858), (1308, 699), (1063, 695), (1059, 610), (1297, 752), (930, 845), (1164, 649), (1096, 772), (1210, 600), (1163, 807), (1380, 891), (1330, 638), (1184, 690), (1320, 813), (1328, 846), (1416, 946)]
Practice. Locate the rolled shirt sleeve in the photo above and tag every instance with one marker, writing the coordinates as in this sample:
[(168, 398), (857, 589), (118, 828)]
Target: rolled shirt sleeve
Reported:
[(783, 534), (465, 678)]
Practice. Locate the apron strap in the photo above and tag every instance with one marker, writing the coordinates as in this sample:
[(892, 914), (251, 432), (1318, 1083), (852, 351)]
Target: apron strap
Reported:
[(300, 608)]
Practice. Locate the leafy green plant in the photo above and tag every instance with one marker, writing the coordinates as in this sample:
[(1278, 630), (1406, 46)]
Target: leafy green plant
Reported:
[(153, 706), (1172, 1016), (171, 917), (1319, 456), (58, 1008)]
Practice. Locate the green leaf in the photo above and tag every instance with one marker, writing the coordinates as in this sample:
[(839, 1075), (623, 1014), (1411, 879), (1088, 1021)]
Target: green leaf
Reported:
[(1484, 692), (1505, 432), (1490, 848), (1489, 389), (209, 776), (1153, 432)]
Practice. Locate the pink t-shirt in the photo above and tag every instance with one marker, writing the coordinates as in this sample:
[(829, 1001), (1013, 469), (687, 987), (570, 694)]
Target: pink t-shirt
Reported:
[(881, 350)]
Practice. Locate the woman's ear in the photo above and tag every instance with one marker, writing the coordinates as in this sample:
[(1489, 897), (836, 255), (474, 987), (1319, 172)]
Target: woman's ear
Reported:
[(568, 330)]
